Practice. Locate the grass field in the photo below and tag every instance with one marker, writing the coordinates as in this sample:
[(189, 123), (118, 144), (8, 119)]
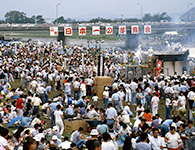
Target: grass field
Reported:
[(53, 93)]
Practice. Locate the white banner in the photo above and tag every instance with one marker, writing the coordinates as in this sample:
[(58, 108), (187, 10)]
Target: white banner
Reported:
[(122, 30), (134, 29), (53, 31), (82, 31), (68, 31), (96, 30), (109, 30), (147, 29)]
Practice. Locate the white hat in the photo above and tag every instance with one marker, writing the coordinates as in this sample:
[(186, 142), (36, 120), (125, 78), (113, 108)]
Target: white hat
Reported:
[(106, 88), (94, 132), (54, 137), (55, 128), (55, 99)]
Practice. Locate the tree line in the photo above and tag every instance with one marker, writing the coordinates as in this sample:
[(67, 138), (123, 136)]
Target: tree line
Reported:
[(20, 17)]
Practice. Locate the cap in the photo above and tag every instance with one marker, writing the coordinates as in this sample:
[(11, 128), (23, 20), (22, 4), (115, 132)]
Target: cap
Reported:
[(54, 137), (94, 132)]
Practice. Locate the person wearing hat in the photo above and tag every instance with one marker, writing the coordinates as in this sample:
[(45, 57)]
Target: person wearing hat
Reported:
[(106, 97), (94, 141), (55, 143)]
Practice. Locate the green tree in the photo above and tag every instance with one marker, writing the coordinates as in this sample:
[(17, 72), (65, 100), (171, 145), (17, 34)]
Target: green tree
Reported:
[(157, 17), (15, 17), (40, 19), (60, 20), (99, 19)]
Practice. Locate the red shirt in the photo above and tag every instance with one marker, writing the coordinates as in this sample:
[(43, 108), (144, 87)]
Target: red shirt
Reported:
[(19, 103), (148, 117)]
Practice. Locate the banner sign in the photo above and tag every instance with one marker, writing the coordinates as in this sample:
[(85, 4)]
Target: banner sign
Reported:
[(96, 30), (53, 31), (68, 31), (135, 29), (147, 29), (109, 30), (82, 30), (158, 68)]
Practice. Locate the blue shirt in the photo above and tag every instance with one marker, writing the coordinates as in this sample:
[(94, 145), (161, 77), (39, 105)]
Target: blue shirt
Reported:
[(81, 101), (142, 146), (25, 121), (47, 89), (168, 122), (69, 111), (111, 113), (115, 97), (70, 100), (53, 106)]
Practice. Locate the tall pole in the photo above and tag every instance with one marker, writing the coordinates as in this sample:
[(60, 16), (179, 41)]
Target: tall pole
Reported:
[(58, 4), (188, 6), (141, 10), (141, 20)]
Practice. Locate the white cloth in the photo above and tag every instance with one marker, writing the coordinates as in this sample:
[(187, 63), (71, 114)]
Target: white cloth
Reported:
[(172, 140)]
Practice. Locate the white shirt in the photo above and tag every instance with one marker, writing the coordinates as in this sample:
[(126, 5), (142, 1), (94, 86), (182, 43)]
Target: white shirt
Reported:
[(175, 103), (92, 114), (182, 100), (95, 98), (67, 87), (36, 101), (191, 95), (76, 84), (155, 101), (156, 143), (106, 94), (108, 146), (83, 87), (57, 115), (172, 140), (41, 90), (3, 142), (124, 132)]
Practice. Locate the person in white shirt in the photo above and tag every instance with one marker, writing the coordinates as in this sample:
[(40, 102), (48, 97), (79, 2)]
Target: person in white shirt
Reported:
[(89, 85), (95, 99), (156, 141), (127, 110), (83, 89), (107, 144), (190, 99), (67, 90), (124, 132), (35, 130), (154, 102), (76, 86), (58, 115), (93, 113), (41, 91), (36, 101), (175, 106), (133, 87), (182, 100), (173, 139), (106, 97)]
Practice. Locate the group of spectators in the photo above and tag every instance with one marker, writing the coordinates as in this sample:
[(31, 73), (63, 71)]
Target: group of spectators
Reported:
[(125, 118)]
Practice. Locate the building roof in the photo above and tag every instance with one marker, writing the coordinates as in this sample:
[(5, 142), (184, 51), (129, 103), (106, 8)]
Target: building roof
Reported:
[(172, 55)]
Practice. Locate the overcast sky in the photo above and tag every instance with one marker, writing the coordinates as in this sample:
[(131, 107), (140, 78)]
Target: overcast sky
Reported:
[(86, 9)]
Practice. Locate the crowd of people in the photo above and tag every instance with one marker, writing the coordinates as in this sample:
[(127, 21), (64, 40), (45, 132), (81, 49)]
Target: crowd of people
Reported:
[(129, 116)]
